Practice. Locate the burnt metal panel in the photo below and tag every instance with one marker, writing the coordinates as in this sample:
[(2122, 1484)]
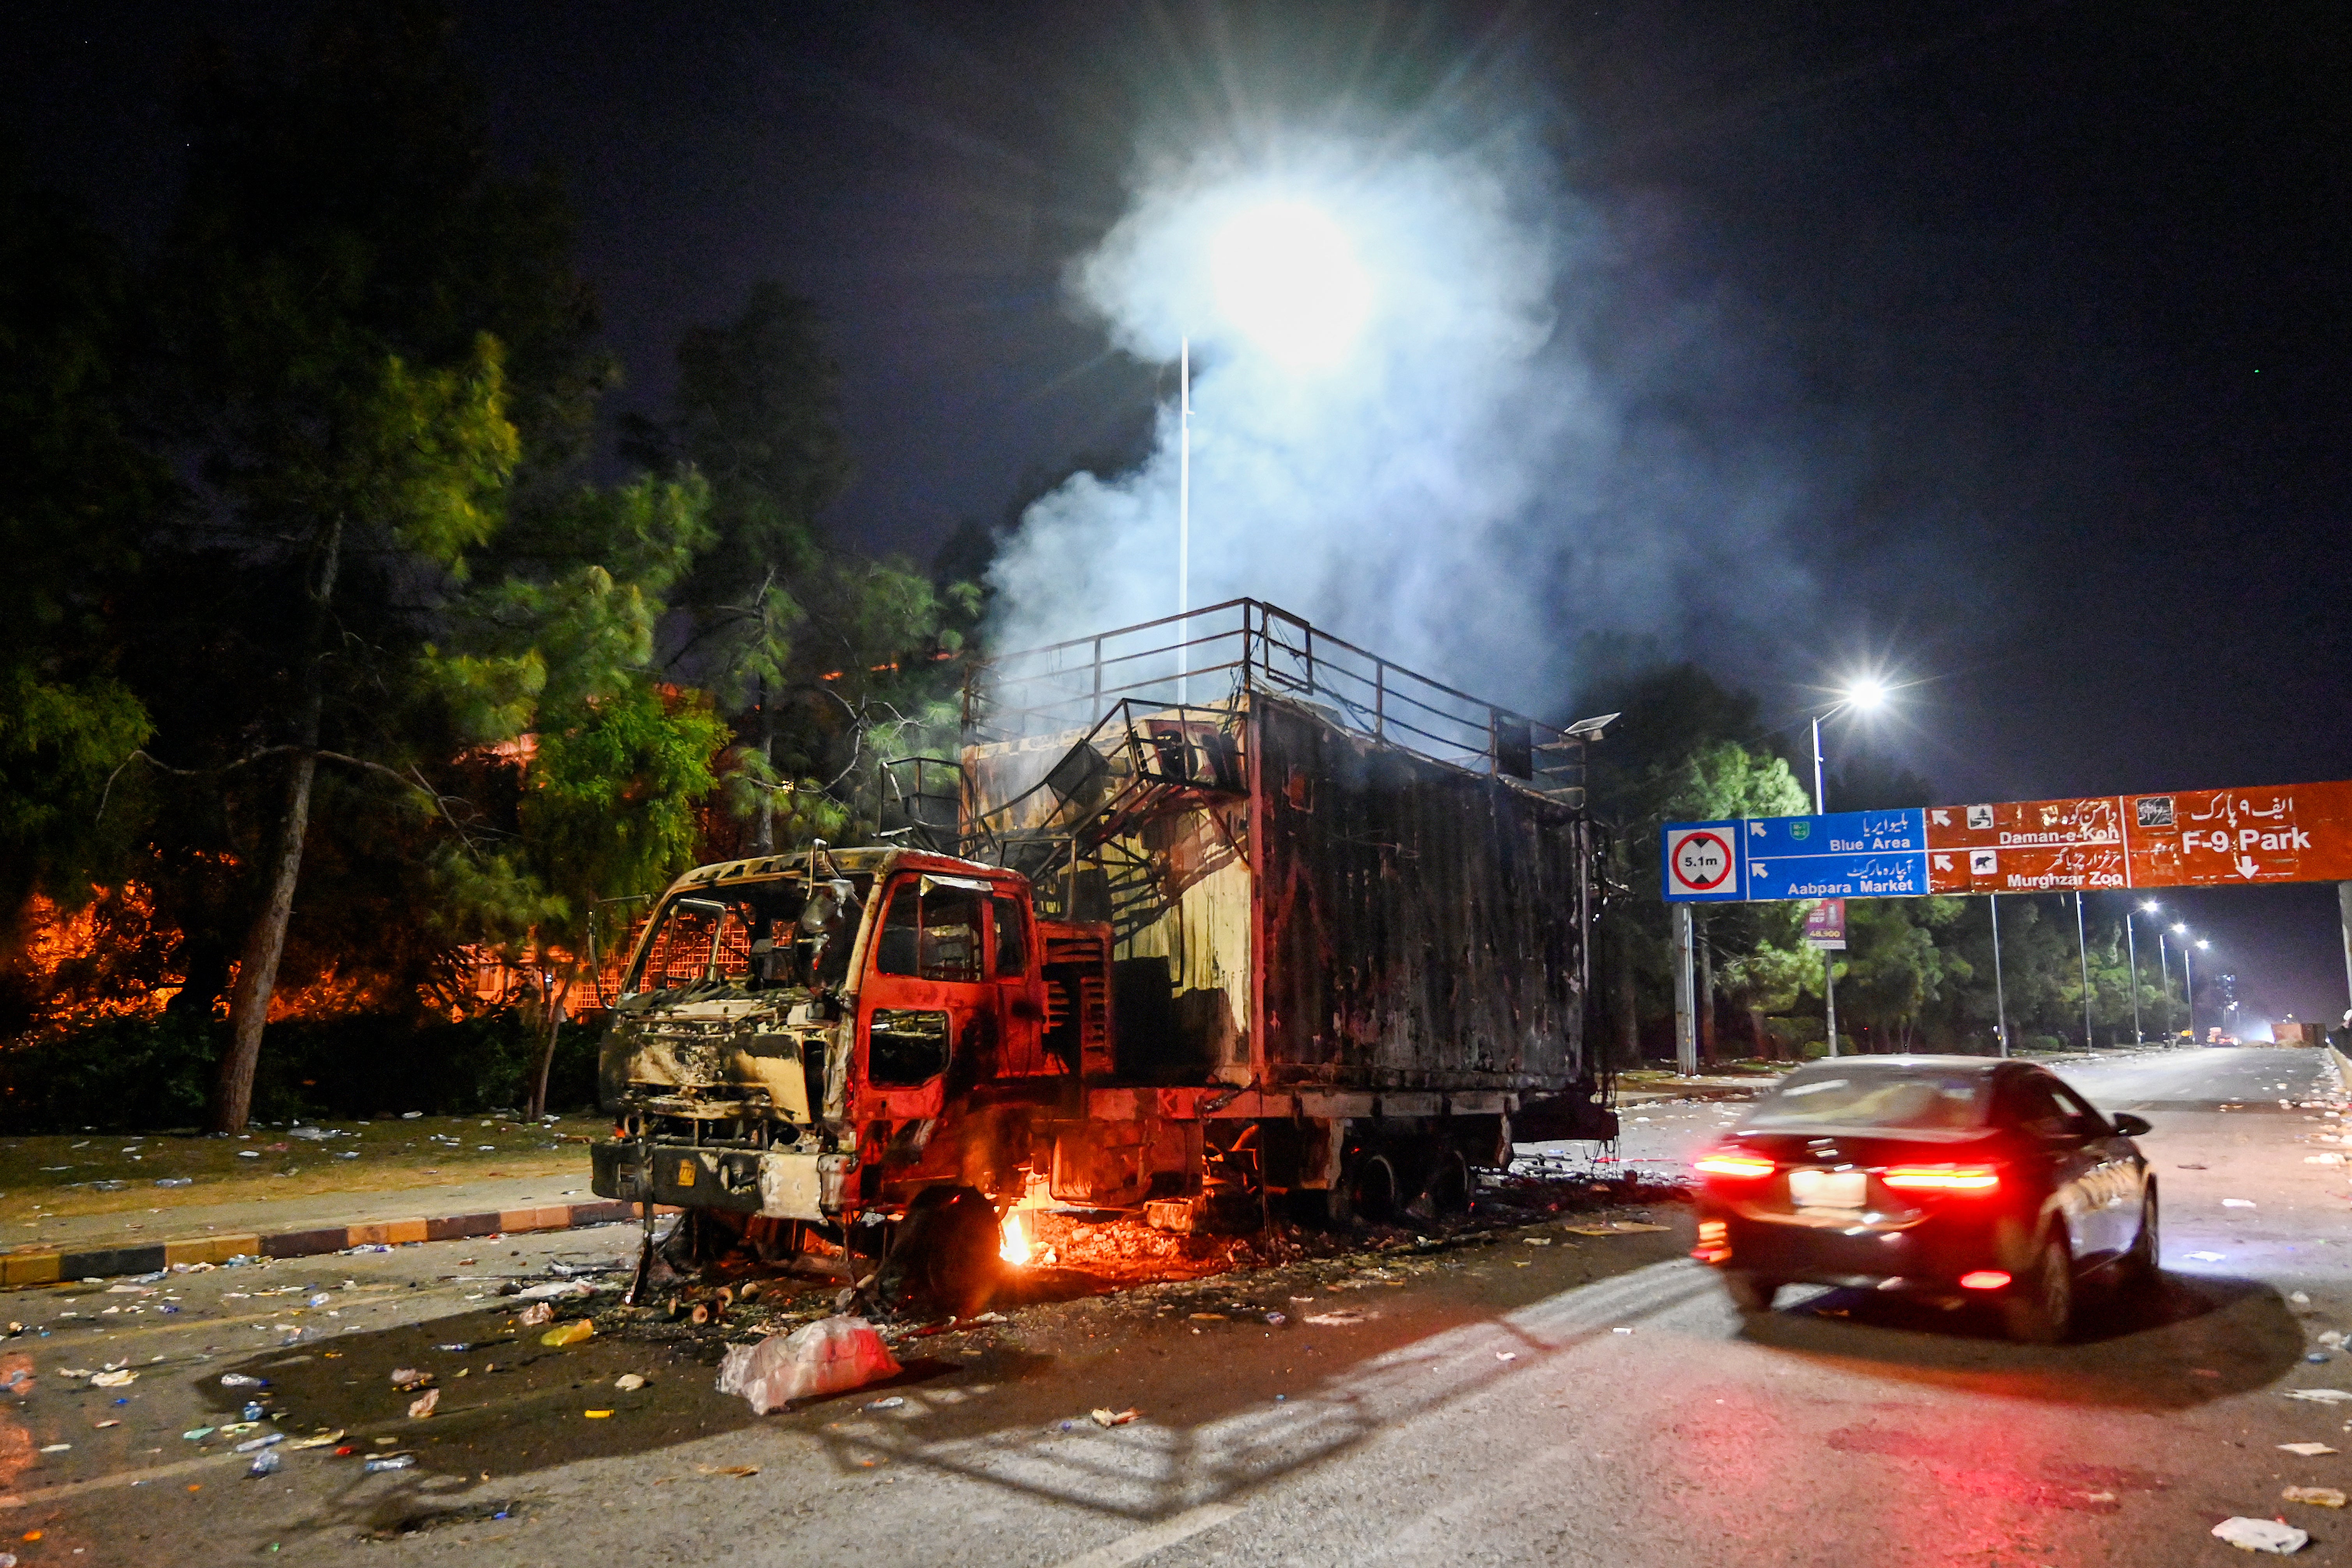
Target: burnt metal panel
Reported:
[(1420, 921)]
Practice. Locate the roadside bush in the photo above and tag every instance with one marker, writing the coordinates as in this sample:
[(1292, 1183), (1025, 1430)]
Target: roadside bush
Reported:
[(148, 1075)]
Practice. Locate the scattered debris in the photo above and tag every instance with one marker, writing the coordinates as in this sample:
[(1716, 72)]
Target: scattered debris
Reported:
[(391, 1462), (1337, 1320), (2237, 1203), (2213, 1258), (116, 1379), (2260, 1535), (265, 1463), (535, 1314), (832, 1355), (408, 1379), (1103, 1416), (2318, 1395), (893, 1403), (571, 1333), (2305, 1450), (1611, 1228), (629, 1382), (726, 1469), (425, 1404), (238, 1380), (2318, 1497)]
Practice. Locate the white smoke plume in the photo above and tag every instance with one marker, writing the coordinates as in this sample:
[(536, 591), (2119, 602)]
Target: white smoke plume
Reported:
[(1494, 467)]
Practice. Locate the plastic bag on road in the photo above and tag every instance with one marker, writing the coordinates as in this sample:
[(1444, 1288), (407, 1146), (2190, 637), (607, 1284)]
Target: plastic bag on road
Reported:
[(2260, 1535), (832, 1355)]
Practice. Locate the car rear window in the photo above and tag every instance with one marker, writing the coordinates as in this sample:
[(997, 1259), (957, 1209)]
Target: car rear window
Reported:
[(1918, 1099)]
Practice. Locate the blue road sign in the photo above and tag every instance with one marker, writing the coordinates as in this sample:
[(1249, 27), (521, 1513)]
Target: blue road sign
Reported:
[(1843, 854), (1837, 877), (1901, 832)]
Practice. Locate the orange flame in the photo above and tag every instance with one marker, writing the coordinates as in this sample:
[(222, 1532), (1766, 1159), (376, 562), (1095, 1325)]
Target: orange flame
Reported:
[(1015, 1249)]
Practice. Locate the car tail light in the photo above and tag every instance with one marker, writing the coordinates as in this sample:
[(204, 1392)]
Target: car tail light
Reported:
[(1942, 1178), (1984, 1279), (1713, 1241), (1733, 1163)]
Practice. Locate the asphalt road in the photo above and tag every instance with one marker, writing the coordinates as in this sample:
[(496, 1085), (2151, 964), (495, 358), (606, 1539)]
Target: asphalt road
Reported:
[(1589, 1399)]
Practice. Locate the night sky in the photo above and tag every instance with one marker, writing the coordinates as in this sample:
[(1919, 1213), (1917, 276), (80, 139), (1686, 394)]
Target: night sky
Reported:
[(2036, 310)]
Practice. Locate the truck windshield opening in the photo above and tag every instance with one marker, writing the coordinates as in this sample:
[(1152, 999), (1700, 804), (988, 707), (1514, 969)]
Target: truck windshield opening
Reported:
[(756, 936)]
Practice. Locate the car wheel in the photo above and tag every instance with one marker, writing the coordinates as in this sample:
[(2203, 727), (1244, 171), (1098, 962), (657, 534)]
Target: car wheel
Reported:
[(1749, 1292), (2040, 1309), (2144, 1265)]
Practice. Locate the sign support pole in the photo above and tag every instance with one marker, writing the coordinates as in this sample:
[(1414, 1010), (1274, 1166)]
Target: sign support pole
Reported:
[(2000, 985), (2344, 908), (1685, 998), (2082, 947)]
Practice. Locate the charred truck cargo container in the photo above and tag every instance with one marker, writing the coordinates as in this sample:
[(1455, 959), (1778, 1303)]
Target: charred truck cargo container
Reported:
[(1318, 940)]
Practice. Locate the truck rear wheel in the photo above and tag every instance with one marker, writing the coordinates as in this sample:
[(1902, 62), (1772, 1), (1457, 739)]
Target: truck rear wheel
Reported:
[(1449, 1183), (1372, 1189)]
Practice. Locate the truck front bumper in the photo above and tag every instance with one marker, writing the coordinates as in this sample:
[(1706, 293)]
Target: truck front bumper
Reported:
[(778, 1184)]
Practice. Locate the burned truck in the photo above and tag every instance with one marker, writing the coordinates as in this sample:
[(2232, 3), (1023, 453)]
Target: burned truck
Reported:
[(1207, 920)]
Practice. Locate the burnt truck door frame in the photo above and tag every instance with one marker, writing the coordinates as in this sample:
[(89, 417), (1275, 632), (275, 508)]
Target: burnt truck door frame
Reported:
[(925, 995), (1019, 981)]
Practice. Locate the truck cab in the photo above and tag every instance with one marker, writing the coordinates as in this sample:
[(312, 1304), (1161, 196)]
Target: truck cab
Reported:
[(804, 1037)]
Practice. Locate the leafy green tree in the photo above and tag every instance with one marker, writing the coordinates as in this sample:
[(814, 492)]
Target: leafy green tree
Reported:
[(80, 492), (374, 338), (550, 669), (807, 647)]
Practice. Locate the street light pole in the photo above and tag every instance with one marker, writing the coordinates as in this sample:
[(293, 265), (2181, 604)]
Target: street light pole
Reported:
[(2000, 986), (2164, 982), (2131, 946), (1829, 955), (2189, 989), (1183, 515)]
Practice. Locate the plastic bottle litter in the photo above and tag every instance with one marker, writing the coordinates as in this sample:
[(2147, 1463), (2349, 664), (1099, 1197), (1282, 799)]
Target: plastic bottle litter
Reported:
[(239, 1380), (832, 1355), (251, 1444), (252, 1410), (392, 1462), (569, 1333), (2260, 1535), (265, 1463)]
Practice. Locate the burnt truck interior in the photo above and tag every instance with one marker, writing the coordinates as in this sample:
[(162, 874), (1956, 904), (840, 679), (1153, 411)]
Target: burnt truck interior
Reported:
[(1202, 917)]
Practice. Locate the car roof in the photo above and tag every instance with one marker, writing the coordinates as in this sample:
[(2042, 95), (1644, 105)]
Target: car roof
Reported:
[(1892, 1064)]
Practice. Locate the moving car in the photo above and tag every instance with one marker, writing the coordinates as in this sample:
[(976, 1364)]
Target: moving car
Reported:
[(1946, 1177)]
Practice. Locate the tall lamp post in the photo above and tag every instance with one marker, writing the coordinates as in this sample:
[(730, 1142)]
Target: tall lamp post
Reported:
[(1863, 696), (2188, 976), (2131, 946)]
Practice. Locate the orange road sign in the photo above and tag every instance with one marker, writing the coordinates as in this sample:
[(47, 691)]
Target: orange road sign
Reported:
[(2281, 833)]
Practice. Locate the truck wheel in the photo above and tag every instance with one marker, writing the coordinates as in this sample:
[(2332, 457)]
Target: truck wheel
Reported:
[(946, 1251), (1372, 1189), (1449, 1183), (1750, 1292)]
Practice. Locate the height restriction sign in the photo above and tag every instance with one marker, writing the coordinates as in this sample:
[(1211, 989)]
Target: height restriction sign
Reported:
[(1701, 860)]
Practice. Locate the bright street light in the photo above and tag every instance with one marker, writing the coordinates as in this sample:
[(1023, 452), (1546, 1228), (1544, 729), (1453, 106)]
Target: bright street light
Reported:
[(1865, 695), (2149, 905), (1288, 279), (2179, 929)]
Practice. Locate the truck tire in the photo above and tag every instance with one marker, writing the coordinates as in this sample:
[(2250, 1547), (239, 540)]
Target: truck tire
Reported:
[(945, 1253), (1372, 1189), (1448, 1190)]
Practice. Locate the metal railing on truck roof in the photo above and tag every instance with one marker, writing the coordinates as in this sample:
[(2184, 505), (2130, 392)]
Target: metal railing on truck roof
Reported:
[(1210, 655)]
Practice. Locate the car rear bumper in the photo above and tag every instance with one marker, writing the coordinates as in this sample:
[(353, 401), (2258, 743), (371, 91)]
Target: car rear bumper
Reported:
[(1929, 1254)]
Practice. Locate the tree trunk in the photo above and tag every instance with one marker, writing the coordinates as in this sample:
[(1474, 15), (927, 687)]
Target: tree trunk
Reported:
[(1706, 993), (550, 1027), (265, 942), (763, 838), (1629, 1027)]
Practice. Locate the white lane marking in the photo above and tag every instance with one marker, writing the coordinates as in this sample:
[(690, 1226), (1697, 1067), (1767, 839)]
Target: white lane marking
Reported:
[(1135, 1548)]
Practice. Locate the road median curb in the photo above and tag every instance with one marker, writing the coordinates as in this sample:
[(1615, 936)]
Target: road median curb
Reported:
[(46, 1265)]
